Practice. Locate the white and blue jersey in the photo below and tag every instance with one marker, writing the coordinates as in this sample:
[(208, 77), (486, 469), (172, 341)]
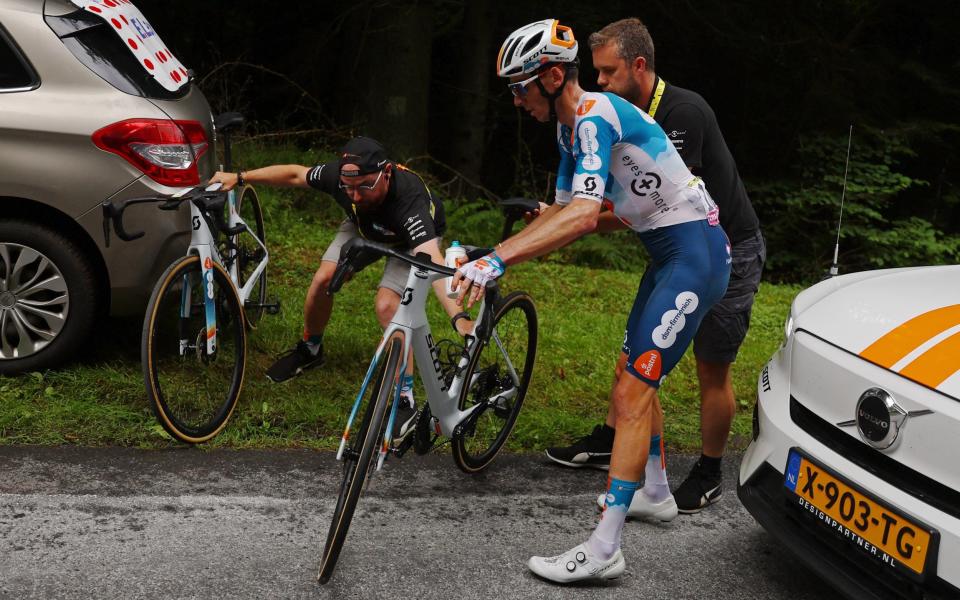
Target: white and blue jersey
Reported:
[(617, 154)]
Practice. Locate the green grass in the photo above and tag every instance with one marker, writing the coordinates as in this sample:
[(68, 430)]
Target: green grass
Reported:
[(100, 400)]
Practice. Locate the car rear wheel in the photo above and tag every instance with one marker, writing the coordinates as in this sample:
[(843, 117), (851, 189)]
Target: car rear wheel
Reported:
[(48, 297)]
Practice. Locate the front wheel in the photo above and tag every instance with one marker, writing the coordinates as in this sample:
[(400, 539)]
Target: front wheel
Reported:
[(496, 382), (193, 391), (359, 456)]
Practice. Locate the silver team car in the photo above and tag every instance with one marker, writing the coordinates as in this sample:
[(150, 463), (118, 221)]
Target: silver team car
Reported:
[(93, 107), (855, 461)]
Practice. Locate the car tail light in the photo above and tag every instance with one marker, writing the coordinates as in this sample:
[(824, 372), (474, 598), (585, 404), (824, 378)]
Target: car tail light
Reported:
[(165, 150)]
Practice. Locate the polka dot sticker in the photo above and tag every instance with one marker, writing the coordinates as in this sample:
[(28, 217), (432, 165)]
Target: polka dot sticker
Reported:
[(95, 9), (110, 3), (132, 43), (176, 76), (148, 63), (116, 23)]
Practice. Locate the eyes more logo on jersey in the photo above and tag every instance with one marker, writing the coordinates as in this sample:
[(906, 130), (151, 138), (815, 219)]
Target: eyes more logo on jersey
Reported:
[(585, 107), (673, 321), (589, 146), (649, 364)]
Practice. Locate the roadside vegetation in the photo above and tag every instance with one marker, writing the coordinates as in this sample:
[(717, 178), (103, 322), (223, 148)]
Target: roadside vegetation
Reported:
[(100, 400)]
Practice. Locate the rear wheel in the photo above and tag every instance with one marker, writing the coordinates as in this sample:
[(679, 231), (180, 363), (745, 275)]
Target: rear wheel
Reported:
[(193, 391), (249, 253), (49, 296), (496, 382), (359, 456)]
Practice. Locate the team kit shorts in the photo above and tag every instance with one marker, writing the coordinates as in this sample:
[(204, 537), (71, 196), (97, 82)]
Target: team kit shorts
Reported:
[(688, 274)]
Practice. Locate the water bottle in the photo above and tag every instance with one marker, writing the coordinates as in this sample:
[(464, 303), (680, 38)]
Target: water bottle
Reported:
[(454, 257)]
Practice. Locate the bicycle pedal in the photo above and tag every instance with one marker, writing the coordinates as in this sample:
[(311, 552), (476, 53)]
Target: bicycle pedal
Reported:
[(273, 308)]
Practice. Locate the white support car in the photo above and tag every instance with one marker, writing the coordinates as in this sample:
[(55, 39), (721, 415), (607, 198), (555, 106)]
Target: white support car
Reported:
[(855, 461)]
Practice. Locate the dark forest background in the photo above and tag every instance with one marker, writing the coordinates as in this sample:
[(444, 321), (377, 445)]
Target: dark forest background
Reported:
[(786, 80)]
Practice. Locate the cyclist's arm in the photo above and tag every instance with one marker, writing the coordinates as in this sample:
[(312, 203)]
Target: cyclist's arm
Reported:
[(567, 224), (547, 212), (274, 175), (432, 248)]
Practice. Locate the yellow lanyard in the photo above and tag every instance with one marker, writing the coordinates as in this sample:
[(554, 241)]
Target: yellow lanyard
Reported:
[(655, 102)]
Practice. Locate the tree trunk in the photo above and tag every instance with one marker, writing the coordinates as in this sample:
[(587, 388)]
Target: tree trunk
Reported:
[(476, 55), (398, 77)]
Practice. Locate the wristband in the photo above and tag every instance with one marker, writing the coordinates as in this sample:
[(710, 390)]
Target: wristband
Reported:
[(240, 180)]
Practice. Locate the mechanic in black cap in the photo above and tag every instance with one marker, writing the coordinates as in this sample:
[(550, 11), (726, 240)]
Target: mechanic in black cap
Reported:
[(384, 202)]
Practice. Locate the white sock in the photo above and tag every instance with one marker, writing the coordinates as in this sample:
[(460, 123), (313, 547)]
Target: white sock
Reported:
[(605, 539), (655, 485)]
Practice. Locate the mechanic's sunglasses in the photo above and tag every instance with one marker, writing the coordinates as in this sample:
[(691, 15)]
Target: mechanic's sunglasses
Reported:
[(361, 188), (519, 89)]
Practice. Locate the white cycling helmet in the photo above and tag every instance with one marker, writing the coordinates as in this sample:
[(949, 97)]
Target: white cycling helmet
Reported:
[(529, 48)]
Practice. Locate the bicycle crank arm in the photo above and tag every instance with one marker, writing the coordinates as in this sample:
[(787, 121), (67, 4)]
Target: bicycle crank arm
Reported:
[(272, 308)]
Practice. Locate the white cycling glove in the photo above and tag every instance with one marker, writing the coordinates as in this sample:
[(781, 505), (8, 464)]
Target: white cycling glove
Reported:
[(483, 269)]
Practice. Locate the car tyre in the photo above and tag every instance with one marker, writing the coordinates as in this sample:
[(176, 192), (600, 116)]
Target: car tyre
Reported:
[(32, 258)]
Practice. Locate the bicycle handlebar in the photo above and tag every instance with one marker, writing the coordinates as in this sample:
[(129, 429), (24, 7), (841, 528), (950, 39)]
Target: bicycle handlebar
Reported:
[(210, 203)]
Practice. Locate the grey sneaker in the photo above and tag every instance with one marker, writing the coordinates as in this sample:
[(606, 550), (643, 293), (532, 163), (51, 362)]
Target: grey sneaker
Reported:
[(294, 362)]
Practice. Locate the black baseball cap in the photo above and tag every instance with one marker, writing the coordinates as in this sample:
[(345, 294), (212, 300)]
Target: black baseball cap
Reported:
[(366, 153)]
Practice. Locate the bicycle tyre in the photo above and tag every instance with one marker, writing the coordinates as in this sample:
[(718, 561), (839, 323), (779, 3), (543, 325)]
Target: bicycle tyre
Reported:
[(249, 254), (192, 393), (356, 464), (472, 453)]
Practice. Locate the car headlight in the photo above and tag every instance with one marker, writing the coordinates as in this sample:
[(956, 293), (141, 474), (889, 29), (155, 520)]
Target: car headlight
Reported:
[(788, 328)]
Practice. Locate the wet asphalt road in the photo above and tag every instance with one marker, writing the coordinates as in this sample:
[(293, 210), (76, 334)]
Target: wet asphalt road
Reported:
[(118, 523)]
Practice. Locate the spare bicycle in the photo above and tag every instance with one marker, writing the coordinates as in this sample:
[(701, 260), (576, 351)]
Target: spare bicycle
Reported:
[(193, 347), (473, 397)]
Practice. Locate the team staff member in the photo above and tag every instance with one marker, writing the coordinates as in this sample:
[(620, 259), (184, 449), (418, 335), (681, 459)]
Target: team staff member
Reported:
[(383, 202), (623, 54), (613, 154)]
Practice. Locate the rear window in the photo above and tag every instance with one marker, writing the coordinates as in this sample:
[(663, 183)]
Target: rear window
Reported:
[(94, 43), (16, 75)]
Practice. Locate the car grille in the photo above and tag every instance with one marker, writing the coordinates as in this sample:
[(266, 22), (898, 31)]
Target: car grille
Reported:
[(916, 484)]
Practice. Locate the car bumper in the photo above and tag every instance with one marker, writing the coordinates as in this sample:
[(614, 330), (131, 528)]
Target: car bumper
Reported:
[(853, 573)]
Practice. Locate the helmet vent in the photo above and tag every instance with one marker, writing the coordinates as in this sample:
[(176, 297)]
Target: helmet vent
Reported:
[(532, 42)]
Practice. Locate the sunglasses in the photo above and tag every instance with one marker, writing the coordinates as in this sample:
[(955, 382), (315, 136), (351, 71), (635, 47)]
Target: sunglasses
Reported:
[(361, 188), (519, 89)]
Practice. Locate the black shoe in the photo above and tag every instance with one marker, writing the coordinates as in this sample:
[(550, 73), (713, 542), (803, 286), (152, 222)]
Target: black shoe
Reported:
[(592, 450), (405, 421), (699, 490), (295, 362)]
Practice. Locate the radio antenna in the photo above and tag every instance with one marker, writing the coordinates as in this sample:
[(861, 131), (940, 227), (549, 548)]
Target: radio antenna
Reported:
[(836, 248)]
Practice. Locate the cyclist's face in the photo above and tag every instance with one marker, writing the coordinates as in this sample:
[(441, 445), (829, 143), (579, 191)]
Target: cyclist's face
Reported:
[(368, 189), (533, 101), (618, 75)]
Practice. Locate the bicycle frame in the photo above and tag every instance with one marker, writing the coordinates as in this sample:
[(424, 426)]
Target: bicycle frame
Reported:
[(410, 322), (203, 244)]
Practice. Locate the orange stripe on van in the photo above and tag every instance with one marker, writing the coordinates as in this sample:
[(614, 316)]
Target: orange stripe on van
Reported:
[(906, 338), (935, 365)]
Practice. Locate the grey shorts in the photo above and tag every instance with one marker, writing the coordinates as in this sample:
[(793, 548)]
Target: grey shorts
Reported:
[(395, 272), (724, 328)]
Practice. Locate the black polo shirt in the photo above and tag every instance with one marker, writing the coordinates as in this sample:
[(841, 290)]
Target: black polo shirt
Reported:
[(692, 126), (407, 217)]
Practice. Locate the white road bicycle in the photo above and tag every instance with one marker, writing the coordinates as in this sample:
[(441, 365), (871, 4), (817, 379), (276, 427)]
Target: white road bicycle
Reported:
[(193, 347), (474, 391)]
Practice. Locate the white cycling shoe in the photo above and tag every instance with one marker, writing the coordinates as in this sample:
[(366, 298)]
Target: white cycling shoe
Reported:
[(577, 564), (642, 507)]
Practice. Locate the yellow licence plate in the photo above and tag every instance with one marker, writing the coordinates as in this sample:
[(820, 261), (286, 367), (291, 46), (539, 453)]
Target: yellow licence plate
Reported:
[(893, 539)]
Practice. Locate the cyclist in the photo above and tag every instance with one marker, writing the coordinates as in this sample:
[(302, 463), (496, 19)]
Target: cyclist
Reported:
[(623, 55), (384, 202), (613, 155)]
